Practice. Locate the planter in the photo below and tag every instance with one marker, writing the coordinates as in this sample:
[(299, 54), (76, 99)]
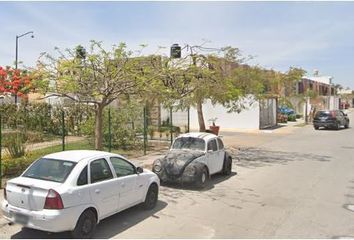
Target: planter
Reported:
[(215, 129)]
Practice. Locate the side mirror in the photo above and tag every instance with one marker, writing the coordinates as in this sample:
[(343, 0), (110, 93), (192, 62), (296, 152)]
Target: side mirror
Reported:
[(139, 170)]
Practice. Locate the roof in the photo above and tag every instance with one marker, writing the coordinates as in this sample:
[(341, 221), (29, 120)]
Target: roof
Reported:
[(321, 79), (203, 135), (77, 155)]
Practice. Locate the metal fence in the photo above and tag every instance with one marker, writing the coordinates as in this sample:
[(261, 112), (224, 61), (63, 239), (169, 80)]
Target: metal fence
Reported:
[(31, 131)]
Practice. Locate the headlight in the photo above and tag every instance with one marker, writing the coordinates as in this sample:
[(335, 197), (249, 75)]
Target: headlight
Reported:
[(157, 166), (190, 170)]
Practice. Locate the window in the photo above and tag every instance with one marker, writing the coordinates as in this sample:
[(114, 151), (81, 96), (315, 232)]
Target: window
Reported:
[(100, 171), (322, 114), (82, 180), (122, 167), (189, 143), (220, 143), (50, 170), (212, 145)]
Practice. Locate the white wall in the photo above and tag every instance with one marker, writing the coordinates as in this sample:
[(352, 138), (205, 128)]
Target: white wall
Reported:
[(246, 119)]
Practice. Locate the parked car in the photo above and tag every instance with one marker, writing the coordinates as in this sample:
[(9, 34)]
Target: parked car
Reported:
[(344, 105), (330, 119), (286, 110), (75, 190), (193, 158)]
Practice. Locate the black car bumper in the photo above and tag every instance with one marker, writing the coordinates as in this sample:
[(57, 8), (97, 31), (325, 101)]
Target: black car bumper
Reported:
[(329, 124), (166, 178)]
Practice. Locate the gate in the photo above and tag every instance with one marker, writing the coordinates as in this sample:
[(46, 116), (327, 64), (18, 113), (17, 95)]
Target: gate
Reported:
[(267, 113)]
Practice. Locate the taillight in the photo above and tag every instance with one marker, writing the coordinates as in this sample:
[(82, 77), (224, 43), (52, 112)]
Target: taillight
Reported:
[(333, 114), (5, 194), (53, 200)]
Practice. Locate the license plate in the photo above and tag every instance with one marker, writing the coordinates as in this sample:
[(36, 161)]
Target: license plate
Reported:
[(20, 218)]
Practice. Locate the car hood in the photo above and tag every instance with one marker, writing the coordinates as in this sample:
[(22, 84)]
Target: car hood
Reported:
[(176, 161)]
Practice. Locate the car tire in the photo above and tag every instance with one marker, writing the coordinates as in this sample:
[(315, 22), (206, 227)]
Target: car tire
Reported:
[(337, 127), (346, 125), (316, 127), (227, 166), (151, 197), (202, 178), (85, 226)]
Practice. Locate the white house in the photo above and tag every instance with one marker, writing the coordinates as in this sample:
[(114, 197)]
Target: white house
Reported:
[(258, 114)]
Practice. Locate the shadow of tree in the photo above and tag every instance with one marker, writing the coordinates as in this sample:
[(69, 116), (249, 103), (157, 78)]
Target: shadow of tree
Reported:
[(256, 157), (107, 228)]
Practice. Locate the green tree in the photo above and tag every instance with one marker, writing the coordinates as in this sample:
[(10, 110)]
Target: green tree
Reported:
[(197, 77), (96, 77)]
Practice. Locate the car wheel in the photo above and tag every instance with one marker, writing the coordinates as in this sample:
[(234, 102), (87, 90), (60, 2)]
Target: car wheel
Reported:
[(85, 226), (203, 178), (316, 127), (151, 197), (337, 126), (346, 125), (227, 166)]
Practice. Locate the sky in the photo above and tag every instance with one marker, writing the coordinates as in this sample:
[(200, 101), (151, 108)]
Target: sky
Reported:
[(310, 35)]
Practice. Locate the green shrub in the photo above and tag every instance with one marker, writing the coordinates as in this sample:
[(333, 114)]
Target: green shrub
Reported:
[(15, 145), (175, 129), (292, 118), (14, 167), (34, 137), (151, 130)]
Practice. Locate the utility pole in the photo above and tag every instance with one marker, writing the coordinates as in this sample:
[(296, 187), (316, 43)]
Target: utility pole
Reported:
[(16, 59)]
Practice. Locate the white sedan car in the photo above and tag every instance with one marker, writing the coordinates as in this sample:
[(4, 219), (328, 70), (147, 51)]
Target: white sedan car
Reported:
[(193, 158), (74, 190)]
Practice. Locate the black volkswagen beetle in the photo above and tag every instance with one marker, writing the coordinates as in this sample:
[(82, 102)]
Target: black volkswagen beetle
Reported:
[(193, 158)]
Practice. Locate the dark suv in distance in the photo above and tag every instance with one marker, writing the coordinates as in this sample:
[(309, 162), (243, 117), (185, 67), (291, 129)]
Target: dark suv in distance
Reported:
[(330, 119)]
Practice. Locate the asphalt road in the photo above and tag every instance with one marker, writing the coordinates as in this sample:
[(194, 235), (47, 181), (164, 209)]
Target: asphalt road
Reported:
[(296, 185)]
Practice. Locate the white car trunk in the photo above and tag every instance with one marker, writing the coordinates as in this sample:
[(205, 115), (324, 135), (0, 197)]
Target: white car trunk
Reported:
[(28, 193)]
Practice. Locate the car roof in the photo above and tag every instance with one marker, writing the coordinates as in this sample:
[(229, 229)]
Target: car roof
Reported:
[(327, 111), (202, 135), (78, 155)]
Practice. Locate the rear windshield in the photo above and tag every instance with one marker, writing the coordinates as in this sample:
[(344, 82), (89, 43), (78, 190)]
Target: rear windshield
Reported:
[(323, 114), (189, 143), (50, 170)]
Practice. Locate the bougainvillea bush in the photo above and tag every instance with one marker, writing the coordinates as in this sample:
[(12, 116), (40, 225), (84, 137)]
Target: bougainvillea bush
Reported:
[(14, 81)]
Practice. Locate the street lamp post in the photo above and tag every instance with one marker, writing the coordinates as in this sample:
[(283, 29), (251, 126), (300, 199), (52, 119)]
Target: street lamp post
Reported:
[(16, 60)]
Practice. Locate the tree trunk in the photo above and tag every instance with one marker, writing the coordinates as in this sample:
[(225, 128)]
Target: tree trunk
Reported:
[(99, 127), (200, 117)]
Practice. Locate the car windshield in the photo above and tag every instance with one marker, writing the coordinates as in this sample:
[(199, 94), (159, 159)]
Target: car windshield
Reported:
[(323, 114), (50, 170), (189, 143)]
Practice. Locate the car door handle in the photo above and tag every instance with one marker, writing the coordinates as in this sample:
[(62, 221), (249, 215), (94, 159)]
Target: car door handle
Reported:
[(97, 191)]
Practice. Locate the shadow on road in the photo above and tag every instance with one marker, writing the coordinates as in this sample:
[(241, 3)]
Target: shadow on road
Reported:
[(255, 157), (275, 127), (107, 228), (215, 179), (333, 129)]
